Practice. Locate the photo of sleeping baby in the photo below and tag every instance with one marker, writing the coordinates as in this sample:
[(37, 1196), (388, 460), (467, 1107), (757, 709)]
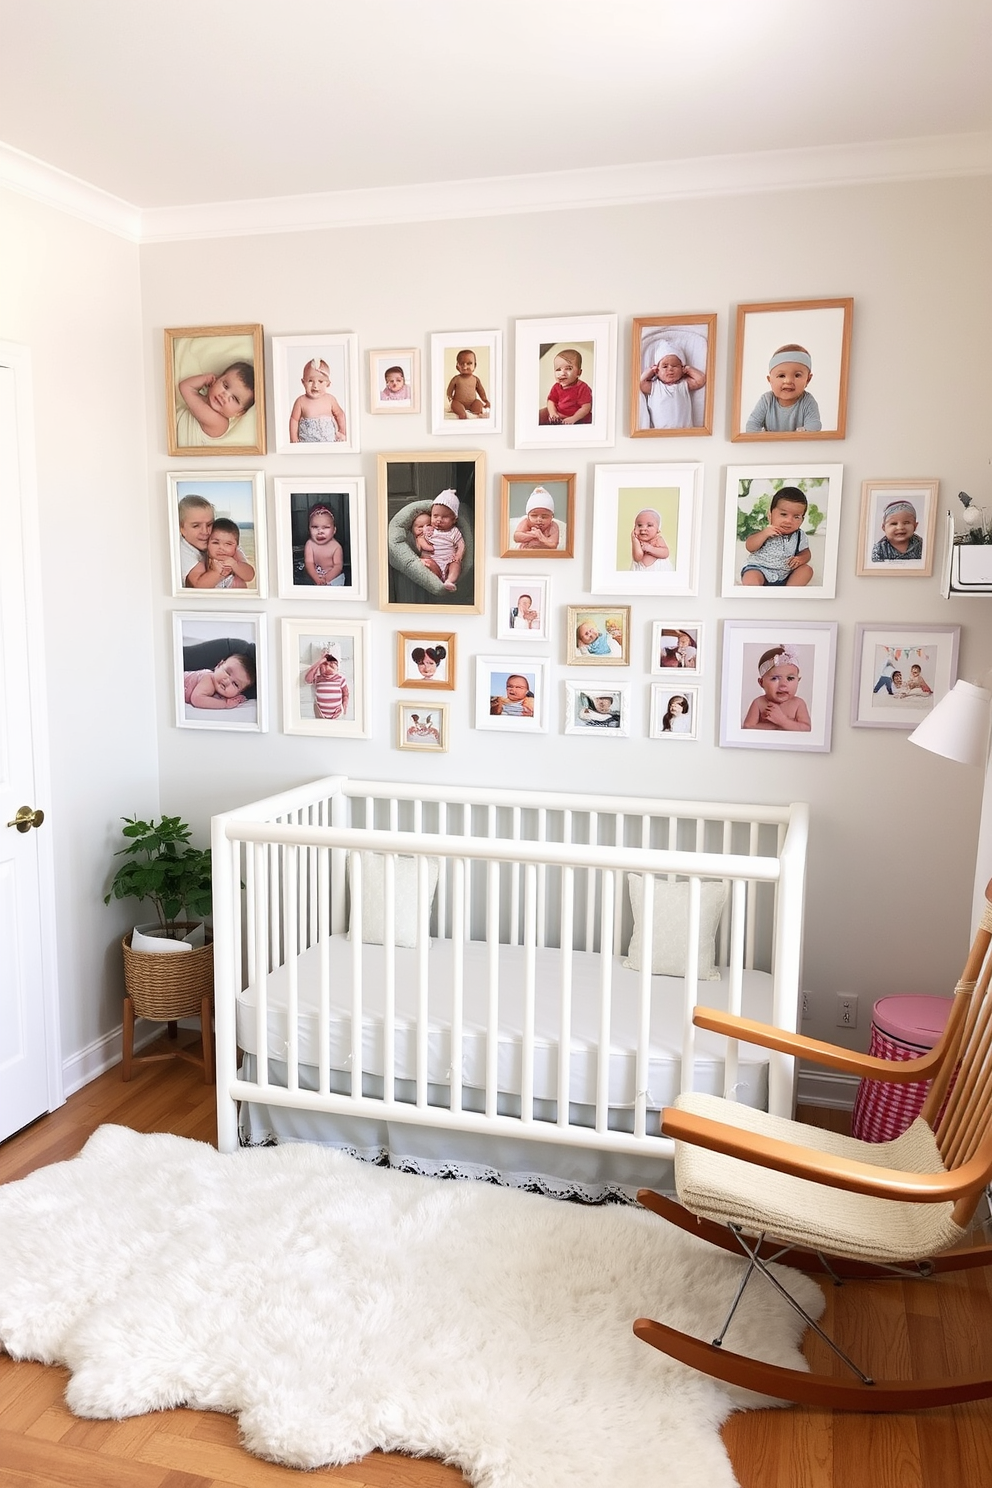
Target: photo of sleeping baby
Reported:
[(591, 709), (217, 671), (214, 395), (428, 510)]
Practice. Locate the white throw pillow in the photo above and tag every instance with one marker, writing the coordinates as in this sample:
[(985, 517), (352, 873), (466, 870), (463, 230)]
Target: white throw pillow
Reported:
[(671, 921), (405, 901)]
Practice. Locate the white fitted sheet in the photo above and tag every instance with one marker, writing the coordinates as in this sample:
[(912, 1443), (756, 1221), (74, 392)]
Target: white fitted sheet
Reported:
[(666, 1024)]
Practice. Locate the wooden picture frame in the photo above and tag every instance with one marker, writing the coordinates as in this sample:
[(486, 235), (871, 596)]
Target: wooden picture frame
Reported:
[(589, 345), (807, 650), (425, 659), (195, 358), (408, 485), (662, 405), (301, 570), (342, 715), (621, 495), (197, 500), (208, 644), (901, 672), (394, 380), (898, 528), (753, 493), (521, 536), (597, 635), (423, 727), (819, 331), (322, 419), (478, 414)]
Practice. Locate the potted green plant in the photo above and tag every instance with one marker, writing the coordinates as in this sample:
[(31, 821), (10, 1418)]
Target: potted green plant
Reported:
[(161, 866)]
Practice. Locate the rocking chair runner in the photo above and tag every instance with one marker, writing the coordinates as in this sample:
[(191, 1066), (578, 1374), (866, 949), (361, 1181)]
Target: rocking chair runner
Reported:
[(889, 1208)]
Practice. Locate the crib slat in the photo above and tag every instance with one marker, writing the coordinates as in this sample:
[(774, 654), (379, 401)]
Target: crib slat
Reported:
[(752, 906), (691, 993), (736, 987), (423, 948), (457, 982), (530, 985), (323, 858), (389, 990), (642, 1065), (605, 1007), (357, 971), (567, 903), (492, 1005), (260, 855), (290, 897)]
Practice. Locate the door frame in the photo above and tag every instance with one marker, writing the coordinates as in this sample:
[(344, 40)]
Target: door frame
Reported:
[(18, 358)]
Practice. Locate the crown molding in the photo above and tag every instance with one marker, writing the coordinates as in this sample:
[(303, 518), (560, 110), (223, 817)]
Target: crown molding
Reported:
[(28, 176), (663, 180)]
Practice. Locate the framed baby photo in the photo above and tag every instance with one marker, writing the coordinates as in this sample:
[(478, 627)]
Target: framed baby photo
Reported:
[(523, 609), (320, 537), (597, 635), (215, 390), (325, 677), (676, 647), (420, 727), (781, 531), (432, 532), (426, 659), (220, 670), (790, 372), (394, 381), (537, 516), (315, 393), (671, 375), (778, 685), (645, 529), (466, 383), (901, 672), (593, 709), (565, 382), (511, 695), (674, 712), (898, 528), (217, 534)]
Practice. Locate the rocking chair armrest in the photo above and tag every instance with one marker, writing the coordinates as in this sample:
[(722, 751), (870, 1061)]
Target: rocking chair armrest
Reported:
[(823, 1167), (817, 1052)]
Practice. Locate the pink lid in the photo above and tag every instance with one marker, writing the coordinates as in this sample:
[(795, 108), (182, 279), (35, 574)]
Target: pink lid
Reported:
[(918, 1020)]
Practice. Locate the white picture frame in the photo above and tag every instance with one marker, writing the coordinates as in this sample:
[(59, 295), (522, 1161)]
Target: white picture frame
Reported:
[(884, 691), (677, 646), (236, 496), (422, 726), (597, 707), (665, 721), (492, 674), (303, 642), (404, 359), (620, 494), (537, 343), (812, 645), (487, 349), (202, 643), (295, 499), (291, 356), (750, 492), (530, 621)]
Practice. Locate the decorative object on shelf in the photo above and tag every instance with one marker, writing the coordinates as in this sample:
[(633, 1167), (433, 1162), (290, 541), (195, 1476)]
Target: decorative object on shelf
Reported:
[(162, 866), (782, 349), (671, 375), (214, 390), (968, 557), (898, 525), (976, 519)]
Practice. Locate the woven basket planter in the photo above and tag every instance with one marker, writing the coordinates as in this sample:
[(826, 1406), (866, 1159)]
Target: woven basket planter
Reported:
[(170, 985)]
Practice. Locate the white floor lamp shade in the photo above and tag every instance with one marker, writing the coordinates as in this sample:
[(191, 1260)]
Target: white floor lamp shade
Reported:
[(958, 727)]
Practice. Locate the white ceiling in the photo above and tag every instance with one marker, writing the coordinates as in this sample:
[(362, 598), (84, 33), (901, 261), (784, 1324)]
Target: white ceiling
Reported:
[(165, 103)]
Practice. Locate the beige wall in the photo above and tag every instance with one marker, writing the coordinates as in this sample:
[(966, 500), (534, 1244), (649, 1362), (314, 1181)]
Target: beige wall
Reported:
[(69, 291), (893, 830)]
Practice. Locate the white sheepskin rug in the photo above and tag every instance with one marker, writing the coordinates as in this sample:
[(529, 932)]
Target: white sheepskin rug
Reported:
[(335, 1308)]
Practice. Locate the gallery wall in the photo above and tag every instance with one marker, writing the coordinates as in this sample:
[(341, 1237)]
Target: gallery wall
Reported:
[(893, 833)]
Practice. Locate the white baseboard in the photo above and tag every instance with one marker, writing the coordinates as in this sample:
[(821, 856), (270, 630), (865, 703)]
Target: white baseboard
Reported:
[(818, 1088), (102, 1054)]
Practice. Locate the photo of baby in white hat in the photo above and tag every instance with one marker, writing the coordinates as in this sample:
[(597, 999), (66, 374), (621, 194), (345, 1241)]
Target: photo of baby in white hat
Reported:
[(537, 516), (439, 542)]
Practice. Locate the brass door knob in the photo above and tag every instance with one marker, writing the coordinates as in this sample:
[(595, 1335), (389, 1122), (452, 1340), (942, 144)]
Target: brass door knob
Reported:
[(26, 818)]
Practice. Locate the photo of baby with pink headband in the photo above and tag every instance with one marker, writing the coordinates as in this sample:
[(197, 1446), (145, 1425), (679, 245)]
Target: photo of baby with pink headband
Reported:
[(779, 706), (789, 407)]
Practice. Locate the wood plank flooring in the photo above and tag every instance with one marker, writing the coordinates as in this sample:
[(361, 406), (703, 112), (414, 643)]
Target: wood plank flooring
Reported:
[(902, 1329)]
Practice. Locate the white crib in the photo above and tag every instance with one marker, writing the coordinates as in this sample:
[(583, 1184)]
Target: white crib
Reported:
[(496, 934)]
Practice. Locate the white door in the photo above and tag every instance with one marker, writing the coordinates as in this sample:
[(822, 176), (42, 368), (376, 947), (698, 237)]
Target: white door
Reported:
[(30, 1081)]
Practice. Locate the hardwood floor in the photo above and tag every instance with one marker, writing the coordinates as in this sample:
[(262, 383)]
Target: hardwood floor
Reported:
[(919, 1329)]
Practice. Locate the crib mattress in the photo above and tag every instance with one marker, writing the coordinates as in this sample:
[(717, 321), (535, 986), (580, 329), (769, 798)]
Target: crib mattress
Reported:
[(666, 1023)]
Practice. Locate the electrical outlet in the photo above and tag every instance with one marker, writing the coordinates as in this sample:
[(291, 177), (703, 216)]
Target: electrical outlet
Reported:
[(805, 1005), (847, 1010)]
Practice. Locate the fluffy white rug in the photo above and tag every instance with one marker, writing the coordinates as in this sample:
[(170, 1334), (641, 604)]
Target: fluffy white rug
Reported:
[(336, 1308)]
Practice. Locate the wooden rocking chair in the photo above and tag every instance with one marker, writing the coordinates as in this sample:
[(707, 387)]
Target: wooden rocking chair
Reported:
[(781, 1191)]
